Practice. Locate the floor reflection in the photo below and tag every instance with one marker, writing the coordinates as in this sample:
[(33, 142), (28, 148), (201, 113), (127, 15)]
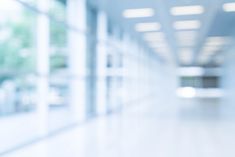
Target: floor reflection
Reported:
[(185, 128)]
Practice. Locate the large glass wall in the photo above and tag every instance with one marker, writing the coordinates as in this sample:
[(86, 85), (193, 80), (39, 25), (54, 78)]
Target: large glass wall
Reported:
[(18, 55), (84, 71), (58, 55), (200, 81), (91, 60), (17, 58), (113, 67)]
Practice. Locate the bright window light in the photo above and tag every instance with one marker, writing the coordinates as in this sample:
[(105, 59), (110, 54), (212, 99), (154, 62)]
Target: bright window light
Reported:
[(138, 13), (229, 7), (147, 27), (6, 5), (187, 10), (188, 24)]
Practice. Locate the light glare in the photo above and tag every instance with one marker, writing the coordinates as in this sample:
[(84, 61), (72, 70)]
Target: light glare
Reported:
[(147, 27), (187, 10), (138, 13), (154, 37), (188, 24), (229, 7), (186, 92)]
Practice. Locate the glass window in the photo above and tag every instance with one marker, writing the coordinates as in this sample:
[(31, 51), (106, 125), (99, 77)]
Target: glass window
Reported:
[(200, 81), (29, 2), (17, 58), (190, 82), (58, 9), (210, 82), (58, 55)]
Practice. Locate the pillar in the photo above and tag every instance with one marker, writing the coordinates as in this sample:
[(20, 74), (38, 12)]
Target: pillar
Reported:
[(42, 46), (76, 12), (102, 35)]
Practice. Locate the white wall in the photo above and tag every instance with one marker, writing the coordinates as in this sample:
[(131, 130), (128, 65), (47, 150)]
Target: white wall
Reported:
[(228, 84)]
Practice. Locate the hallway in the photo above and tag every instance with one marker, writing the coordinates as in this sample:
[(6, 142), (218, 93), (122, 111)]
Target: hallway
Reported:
[(113, 78), (172, 130)]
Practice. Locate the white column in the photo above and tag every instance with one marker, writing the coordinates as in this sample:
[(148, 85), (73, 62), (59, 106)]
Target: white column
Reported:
[(42, 66), (102, 35), (76, 12), (127, 62)]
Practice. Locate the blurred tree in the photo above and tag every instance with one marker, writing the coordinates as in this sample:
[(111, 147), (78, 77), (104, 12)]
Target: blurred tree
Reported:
[(58, 35), (16, 50)]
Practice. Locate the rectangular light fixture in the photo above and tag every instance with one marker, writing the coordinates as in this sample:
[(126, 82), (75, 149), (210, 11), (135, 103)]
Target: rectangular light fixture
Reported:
[(158, 44), (187, 24), (154, 36), (188, 35), (217, 41), (210, 49), (186, 38), (187, 10), (229, 7), (163, 49), (147, 27), (138, 13), (203, 59)]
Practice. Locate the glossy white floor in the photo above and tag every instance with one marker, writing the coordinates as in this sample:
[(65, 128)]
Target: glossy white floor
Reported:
[(188, 129)]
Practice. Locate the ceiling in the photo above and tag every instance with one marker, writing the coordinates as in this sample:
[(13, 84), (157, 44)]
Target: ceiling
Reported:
[(184, 47)]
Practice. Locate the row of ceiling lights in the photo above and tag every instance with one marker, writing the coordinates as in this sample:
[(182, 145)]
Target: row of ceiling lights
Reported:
[(186, 36), (176, 11), (157, 40), (211, 47)]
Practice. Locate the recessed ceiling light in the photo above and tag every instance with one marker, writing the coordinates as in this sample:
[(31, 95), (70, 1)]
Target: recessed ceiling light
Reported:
[(217, 41), (163, 49), (186, 35), (154, 36), (186, 42), (212, 46), (211, 49), (158, 44), (147, 27), (187, 10), (186, 38), (187, 24), (138, 13), (229, 7)]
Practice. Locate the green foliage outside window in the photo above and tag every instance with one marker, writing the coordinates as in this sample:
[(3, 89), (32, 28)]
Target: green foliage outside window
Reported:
[(58, 36), (17, 47)]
